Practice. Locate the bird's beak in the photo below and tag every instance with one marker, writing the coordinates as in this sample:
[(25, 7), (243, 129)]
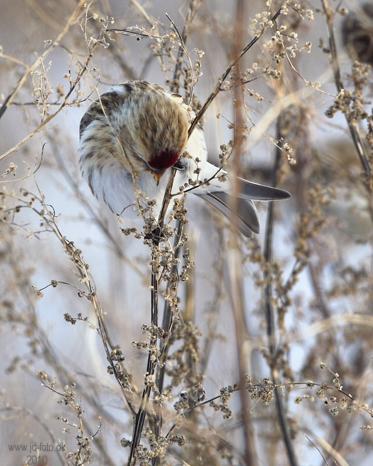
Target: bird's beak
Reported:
[(157, 176)]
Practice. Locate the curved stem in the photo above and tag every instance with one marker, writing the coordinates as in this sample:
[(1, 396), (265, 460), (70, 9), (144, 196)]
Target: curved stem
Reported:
[(270, 318)]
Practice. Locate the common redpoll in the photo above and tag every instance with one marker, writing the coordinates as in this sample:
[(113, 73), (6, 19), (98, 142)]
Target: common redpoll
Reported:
[(132, 136)]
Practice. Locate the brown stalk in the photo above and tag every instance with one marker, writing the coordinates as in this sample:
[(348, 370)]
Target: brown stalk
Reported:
[(151, 364), (82, 269), (193, 6), (236, 279), (227, 72), (270, 317), (150, 370), (166, 327), (71, 21), (50, 117), (355, 135), (50, 357), (167, 313)]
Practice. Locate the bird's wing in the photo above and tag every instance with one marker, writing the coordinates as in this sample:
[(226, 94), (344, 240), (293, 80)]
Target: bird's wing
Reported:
[(248, 222), (215, 192), (196, 147)]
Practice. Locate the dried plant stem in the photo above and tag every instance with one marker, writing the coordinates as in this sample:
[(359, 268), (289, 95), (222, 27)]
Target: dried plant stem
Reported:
[(168, 317), (355, 135), (329, 449), (236, 268), (167, 311), (227, 72), (50, 117), (151, 364), (149, 19), (192, 9), (270, 318), (150, 368), (167, 322), (166, 199), (48, 216), (65, 378), (307, 384), (72, 20)]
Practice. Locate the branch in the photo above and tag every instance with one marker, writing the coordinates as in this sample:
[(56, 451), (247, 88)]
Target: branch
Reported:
[(226, 73), (193, 5), (242, 334), (121, 374), (151, 364), (270, 318), (50, 117), (72, 19), (355, 135), (150, 369)]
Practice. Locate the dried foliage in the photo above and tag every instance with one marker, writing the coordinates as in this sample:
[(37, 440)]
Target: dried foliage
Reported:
[(181, 342)]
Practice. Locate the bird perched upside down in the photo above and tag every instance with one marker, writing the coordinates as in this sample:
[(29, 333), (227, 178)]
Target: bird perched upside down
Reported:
[(132, 136)]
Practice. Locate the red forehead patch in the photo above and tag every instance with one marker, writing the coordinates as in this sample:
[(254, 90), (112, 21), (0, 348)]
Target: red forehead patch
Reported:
[(164, 159)]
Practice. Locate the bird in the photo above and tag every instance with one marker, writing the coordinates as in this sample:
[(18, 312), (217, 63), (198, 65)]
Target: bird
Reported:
[(131, 139), (357, 33)]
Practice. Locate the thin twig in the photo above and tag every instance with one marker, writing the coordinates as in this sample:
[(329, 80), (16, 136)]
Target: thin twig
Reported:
[(167, 311), (309, 384), (270, 318), (71, 21), (166, 327), (236, 267), (117, 368), (150, 369), (227, 72), (151, 364), (355, 135), (193, 5), (50, 117), (167, 315)]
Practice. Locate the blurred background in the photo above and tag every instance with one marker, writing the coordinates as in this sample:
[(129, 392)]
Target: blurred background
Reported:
[(55, 59)]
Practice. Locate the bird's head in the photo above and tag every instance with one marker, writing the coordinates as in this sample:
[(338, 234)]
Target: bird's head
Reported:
[(159, 126)]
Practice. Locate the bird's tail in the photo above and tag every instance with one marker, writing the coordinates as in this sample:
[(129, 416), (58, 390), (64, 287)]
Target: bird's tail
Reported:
[(261, 192), (248, 222)]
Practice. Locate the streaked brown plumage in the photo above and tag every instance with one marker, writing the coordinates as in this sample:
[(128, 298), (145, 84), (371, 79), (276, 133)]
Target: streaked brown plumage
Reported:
[(132, 136)]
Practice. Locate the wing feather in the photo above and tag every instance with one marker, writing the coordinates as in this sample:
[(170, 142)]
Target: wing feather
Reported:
[(248, 222), (261, 192)]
